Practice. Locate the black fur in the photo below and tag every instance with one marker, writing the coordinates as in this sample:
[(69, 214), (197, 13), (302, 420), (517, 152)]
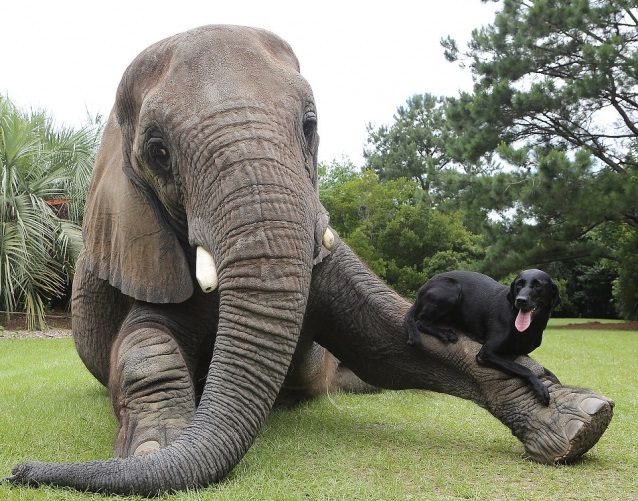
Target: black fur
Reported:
[(486, 311)]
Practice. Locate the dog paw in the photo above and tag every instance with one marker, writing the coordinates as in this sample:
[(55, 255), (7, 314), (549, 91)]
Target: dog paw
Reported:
[(450, 336), (414, 341), (445, 335), (542, 393)]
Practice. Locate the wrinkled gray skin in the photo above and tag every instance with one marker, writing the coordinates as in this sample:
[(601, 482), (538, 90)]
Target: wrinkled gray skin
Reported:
[(212, 142)]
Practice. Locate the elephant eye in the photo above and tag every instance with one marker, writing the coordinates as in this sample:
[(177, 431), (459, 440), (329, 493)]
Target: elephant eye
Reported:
[(310, 126), (158, 152)]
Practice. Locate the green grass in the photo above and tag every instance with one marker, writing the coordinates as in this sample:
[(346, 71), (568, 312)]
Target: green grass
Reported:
[(558, 322), (392, 446)]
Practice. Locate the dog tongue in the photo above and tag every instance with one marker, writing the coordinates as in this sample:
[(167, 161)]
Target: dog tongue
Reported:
[(523, 319)]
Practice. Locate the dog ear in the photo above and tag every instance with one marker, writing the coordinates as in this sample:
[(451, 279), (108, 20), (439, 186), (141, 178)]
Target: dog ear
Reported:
[(555, 294), (511, 295)]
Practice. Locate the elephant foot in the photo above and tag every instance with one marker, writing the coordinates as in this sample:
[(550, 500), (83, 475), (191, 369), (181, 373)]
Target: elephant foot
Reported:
[(147, 448), (347, 381), (316, 372), (151, 391), (139, 437), (565, 430)]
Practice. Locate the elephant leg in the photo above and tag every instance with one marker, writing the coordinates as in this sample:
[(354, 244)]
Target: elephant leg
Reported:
[(151, 388), (98, 312), (374, 344), (314, 372)]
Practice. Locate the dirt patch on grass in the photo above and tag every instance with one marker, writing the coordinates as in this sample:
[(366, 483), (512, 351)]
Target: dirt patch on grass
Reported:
[(621, 326), (59, 322)]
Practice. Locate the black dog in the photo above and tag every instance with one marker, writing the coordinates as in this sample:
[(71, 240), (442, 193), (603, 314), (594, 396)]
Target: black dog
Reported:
[(508, 321)]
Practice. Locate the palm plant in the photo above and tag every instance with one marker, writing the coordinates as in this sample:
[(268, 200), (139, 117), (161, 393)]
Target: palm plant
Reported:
[(38, 247)]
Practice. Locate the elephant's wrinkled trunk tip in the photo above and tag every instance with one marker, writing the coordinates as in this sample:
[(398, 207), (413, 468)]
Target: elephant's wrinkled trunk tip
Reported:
[(205, 270)]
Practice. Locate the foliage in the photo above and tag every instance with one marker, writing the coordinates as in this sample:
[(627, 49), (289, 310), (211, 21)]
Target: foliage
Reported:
[(541, 157), (393, 227), (586, 288), (42, 168), (543, 209), (626, 285), (414, 146), (551, 72), (556, 98), (521, 211), (345, 446)]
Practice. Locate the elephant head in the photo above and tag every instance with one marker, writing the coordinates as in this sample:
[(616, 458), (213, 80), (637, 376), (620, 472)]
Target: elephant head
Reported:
[(207, 172), (211, 146)]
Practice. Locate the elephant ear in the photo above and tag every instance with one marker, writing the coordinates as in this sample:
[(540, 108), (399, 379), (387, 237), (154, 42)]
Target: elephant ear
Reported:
[(125, 238)]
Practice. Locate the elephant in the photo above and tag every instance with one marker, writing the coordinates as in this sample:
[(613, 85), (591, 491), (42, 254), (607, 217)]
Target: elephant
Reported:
[(211, 285)]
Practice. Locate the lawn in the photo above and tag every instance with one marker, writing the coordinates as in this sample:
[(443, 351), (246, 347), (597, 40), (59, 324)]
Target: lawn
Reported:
[(391, 446)]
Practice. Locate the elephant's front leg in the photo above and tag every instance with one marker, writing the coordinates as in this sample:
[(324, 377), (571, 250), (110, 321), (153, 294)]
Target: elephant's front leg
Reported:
[(98, 312), (151, 389)]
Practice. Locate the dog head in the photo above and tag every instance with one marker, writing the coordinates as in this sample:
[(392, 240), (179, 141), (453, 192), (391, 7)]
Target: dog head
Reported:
[(532, 292)]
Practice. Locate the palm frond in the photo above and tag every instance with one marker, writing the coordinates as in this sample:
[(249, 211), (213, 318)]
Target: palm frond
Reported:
[(40, 163)]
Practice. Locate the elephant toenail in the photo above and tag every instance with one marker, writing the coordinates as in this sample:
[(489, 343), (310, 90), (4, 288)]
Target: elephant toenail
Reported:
[(573, 427), (592, 405), (146, 448)]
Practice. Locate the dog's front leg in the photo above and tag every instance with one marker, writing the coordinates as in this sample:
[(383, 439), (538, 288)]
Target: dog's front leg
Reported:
[(415, 324), (488, 358)]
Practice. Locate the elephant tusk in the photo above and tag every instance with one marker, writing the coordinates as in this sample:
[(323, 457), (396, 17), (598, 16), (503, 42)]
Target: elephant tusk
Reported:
[(328, 240), (205, 270)]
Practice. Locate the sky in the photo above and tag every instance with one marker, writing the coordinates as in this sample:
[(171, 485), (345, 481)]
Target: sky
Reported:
[(362, 59)]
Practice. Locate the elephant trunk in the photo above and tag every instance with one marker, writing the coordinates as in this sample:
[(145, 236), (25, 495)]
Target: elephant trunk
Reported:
[(264, 277)]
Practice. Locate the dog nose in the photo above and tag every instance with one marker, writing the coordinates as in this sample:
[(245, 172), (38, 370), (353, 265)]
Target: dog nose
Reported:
[(521, 302)]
